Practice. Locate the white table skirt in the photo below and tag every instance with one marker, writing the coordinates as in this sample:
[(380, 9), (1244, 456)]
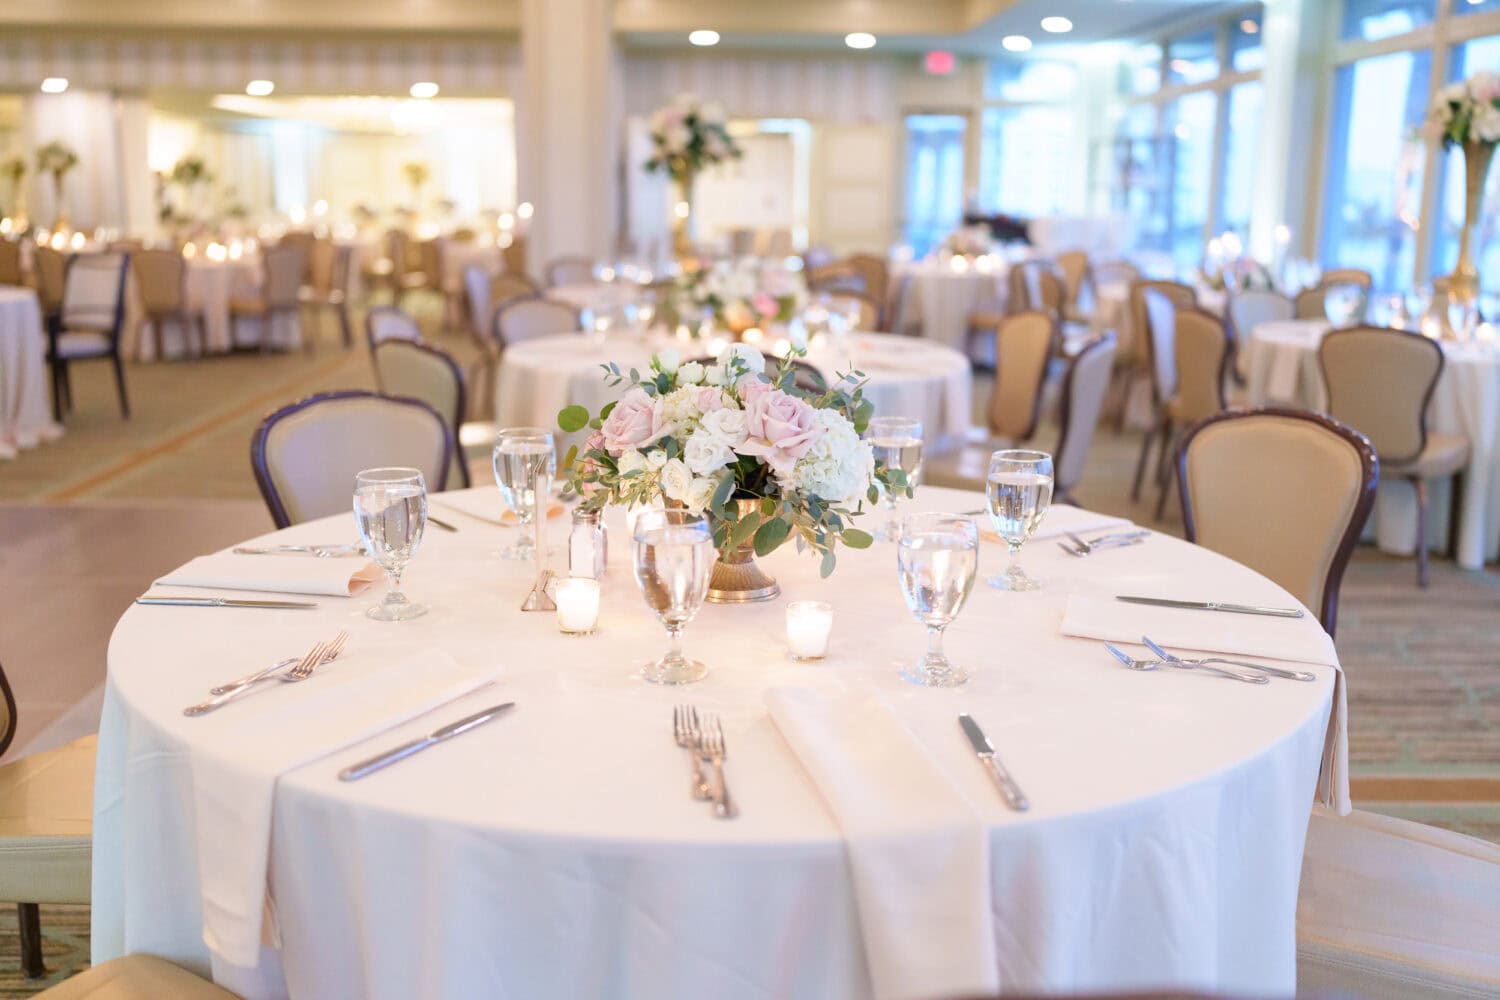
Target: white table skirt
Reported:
[(1282, 369), (908, 377), (25, 401), (944, 298), (556, 853)]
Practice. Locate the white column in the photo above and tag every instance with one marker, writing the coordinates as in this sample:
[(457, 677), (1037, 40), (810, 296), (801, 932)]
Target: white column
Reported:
[(1287, 173), (568, 140)]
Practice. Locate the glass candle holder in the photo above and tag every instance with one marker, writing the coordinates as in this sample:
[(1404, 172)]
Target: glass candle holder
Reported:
[(577, 605), (808, 624)]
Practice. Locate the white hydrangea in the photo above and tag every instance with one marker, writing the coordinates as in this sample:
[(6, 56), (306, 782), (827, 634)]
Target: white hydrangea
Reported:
[(679, 408), (1485, 125), (839, 466), (707, 452), (700, 493)]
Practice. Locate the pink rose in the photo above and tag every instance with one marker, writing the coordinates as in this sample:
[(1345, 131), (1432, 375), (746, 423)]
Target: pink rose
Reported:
[(635, 422), (710, 398), (781, 429), (750, 386), (765, 305)]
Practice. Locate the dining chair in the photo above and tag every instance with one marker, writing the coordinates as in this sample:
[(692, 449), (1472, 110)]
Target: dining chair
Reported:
[(51, 268), (136, 977), (1312, 303), (161, 279), (434, 256), (1109, 272), (280, 294), (384, 323), (1073, 266), (897, 319), (527, 319), (414, 370), (1380, 382), (849, 302), (406, 264), (1191, 358), (91, 320), (303, 240), (1133, 358), (777, 244), (876, 273), (513, 253), (741, 242), (1083, 389), (570, 269), (305, 456), (1349, 276), (1247, 310), (1024, 343), (10, 262), (328, 286), (838, 277), (46, 828), (1286, 492)]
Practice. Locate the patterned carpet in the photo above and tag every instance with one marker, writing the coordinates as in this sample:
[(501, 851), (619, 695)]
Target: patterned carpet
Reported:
[(65, 949)]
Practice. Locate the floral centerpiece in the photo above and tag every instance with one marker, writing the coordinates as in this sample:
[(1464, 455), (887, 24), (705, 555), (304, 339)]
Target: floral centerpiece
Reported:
[(416, 173), (686, 136), (13, 169), (968, 241), (1467, 115), (57, 158), (765, 461), (739, 295)]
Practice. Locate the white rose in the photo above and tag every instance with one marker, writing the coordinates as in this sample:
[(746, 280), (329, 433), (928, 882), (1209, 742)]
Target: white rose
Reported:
[(680, 408), (655, 460), (667, 360), (700, 493), (715, 375), (751, 360), (690, 374), (796, 334), (706, 453), (675, 480), (677, 138), (632, 461), (727, 425)]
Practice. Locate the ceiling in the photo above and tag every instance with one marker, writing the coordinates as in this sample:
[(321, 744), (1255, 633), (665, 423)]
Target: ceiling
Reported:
[(370, 115)]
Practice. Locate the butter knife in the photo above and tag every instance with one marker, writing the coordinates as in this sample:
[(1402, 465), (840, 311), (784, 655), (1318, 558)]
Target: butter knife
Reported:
[(1242, 609), (221, 602), (365, 767), (1014, 797)]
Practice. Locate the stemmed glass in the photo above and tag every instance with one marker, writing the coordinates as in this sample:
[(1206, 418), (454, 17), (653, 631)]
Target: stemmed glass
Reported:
[(896, 441), (674, 560), (1018, 491), (937, 558), (1340, 303), (390, 507), (522, 456)]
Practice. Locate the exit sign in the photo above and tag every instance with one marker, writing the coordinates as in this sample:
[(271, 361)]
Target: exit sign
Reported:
[(938, 63)]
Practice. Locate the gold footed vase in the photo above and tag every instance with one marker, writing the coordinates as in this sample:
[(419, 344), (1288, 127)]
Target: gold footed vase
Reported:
[(682, 216), (737, 579), (1463, 283)]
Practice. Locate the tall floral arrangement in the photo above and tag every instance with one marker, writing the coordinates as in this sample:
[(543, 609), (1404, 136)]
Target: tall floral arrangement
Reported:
[(56, 158), (741, 294), (688, 135), (764, 461), (13, 169), (1467, 115)]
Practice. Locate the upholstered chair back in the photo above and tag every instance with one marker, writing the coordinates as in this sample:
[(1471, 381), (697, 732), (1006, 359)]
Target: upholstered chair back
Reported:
[(303, 241), (1073, 265), (1083, 391), (159, 275), (875, 272), (1161, 339), (840, 276), (569, 270), (1379, 382), (1248, 309), (1135, 340), (1023, 343), (527, 319), (1349, 276), (10, 262), (1017, 290), (477, 291), (51, 270), (284, 265), (384, 323), (848, 302), (417, 371), (1312, 303), (896, 320), (94, 292), (322, 258), (1201, 351)]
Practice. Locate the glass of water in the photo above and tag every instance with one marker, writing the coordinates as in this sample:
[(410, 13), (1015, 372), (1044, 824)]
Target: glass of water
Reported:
[(1341, 304), (937, 558), (390, 507), (674, 561), (897, 442), (1018, 491), (523, 456)]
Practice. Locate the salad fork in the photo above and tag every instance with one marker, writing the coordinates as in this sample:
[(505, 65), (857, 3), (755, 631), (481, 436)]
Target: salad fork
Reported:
[(1135, 664), (686, 731), (301, 672), (329, 655), (714, 746), (1292, 675)]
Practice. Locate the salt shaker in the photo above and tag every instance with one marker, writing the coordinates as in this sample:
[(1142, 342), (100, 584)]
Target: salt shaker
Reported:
[(588, 544)]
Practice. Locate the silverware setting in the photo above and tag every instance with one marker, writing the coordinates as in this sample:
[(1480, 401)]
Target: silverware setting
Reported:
[(219, 602), (1135, 664), (301, 672), (704, 741), (1291, 675), (329, 654), (316, 551), (538, 599), (439, 522), (1240, 609), (369, 766), (1112, 540), (1014, 797)]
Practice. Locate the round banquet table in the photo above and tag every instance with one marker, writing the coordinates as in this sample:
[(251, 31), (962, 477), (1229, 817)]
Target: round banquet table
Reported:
[(556, 852), (945, 294), (1282, 367), (25, 406), (209, 285), (597, 296), (907, 377)]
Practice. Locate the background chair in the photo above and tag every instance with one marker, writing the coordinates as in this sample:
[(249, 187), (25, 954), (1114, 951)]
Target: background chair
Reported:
[(1073, 268), (51, 267), (1312, 303), (1133, 358), (1023, 344), (1083, 390), (279, 295), (1286, 492), (896, 318), (412, 370), (10, 262), (852, 303), (161, 277), (527, 319), (838, 277), (1380, 382), (384, 323), (569, 270), (877, 279), (1200, 355), (91, 319), (328, 288), (305, 456), (1247, 310)]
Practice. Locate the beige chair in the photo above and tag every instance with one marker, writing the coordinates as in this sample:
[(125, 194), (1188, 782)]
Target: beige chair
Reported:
[(1312, 303), (1380, 382), (305, 456), (571, 269), (136, 977), (1111, 272), (1023, 344), (1286, 492), (850, 302), (91, 321), (406, 274), (384, 323), (434, 257), (302, 240), (1073, 267), (837, 277), (1249, 309), (774, 243), (1349, 276), (1083, 390), (876, 274), (161, 278), (280, 294), (46, 828), (51, 267), (527, 319), (897, 319), (1392, 910), (413, 370), (10, 262), (1133, 358), (513, 253), (328, 287)]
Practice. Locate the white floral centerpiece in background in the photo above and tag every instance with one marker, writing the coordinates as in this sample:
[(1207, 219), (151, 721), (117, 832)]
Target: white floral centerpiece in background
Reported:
[(969, 241), (688, 135), (766, 462), (739, 295), (57, 158), (1467, 115)]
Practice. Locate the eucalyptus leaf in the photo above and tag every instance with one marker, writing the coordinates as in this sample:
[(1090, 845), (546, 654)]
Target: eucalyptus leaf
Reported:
[(829, 561), (856, 539), (771, 534), (573, 418), (744, 528)]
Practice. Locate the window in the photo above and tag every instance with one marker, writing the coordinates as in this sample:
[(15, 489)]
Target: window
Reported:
[(1031, 80), (1239, 158), (1246, 51), (1474, 6), (1467, 59), (1374, 184), (1372, 20), (1190, 122), (1026, 152), (1143, 70), (1193, 59), (934, 178)]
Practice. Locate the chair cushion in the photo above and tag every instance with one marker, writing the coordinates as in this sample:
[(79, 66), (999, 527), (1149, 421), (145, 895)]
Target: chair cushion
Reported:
[(46, 824), (136, 977), (82, 344), (247, 305), (1444, 455)]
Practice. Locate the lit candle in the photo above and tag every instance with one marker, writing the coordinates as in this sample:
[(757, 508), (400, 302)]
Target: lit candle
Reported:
[(78, 241), (577, 605), (807, 626)]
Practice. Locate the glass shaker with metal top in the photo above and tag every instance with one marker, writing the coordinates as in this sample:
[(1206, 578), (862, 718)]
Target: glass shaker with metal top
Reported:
[(588, 544)]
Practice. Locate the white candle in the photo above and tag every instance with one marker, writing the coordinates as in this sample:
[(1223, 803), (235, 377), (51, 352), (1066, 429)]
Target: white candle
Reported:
[(577, 605), (807, 626)]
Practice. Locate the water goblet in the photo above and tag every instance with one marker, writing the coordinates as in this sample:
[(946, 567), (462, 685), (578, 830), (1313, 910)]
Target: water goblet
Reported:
[(521, 459), (390, 508), (897, 442), (1018, 491), (937, 559), (1341, 303), (674, 560)]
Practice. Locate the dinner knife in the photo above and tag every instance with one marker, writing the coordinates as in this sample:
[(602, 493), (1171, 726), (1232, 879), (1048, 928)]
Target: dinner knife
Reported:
[(365, 767), (221, 602), (1242, 609), (440, 523), (1014, 797)]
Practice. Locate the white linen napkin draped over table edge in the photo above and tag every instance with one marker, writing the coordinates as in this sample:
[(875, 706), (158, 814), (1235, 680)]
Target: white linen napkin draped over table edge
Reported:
[(1185, 630), (290, 574), (247, 746), (918, 852)]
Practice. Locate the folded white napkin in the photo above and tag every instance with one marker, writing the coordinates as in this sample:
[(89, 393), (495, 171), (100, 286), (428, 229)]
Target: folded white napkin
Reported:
[(918, 852), (246, 747), (293, 574), (1061, 518)]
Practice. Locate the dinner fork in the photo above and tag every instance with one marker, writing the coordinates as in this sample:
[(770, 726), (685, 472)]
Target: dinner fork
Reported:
[(714, 746), (317, 551), (301, 672), (1119, 539), (329, 655), (685, 731), (1291, 675), (1135, 664)]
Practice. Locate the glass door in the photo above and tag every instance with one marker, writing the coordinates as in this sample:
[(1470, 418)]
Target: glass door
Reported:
[(934, 178)]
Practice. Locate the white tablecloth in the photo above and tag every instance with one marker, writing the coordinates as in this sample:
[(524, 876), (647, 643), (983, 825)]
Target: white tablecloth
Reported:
[(25, 401), (907, 377), (944, 297), (1282, 368), (209, 284), (556, 852), (596, 295)]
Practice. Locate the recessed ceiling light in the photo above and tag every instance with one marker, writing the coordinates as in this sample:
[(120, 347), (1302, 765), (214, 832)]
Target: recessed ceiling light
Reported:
[(1249, 26), (424, 90), (54, 85), (859, 40), (1015, 43), (259, 88), (1056, 25), (703, 36)]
